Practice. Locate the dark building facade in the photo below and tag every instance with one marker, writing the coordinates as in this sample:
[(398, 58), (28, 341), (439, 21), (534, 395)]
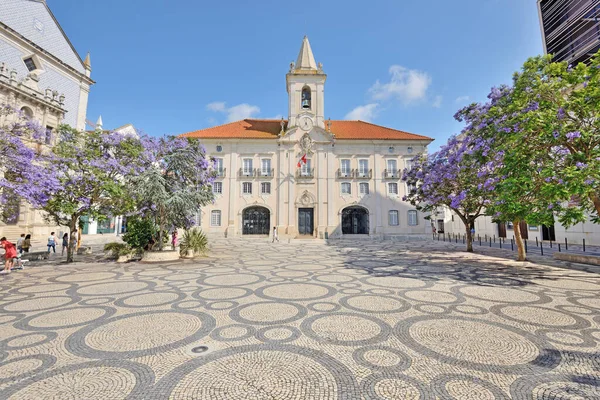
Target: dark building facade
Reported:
[(570, 29)]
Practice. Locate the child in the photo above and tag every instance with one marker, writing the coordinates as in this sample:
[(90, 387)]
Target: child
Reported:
[(10, 252), (174, 240), (19, 263), (275, 235)]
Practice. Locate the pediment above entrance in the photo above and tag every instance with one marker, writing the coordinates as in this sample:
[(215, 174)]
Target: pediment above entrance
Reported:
[(306, 199), (307, 140)]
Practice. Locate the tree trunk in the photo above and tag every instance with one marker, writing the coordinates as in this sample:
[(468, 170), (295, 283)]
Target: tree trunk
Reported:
[(72, 228), (469, 237), (596, 200), (160, 229), (521, 255)]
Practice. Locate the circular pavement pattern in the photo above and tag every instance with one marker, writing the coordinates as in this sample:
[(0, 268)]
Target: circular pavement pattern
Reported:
[(302, 320)]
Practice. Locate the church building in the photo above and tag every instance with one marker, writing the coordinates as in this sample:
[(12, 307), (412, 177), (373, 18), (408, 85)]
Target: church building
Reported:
[(310, 176)]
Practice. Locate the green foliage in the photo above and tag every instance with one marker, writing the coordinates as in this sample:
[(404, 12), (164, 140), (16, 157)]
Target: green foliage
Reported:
[(193, 239), (141, 232), (117, 249)]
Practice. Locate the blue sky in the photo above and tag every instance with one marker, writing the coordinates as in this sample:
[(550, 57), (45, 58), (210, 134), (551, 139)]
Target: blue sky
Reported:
[(404, 64)]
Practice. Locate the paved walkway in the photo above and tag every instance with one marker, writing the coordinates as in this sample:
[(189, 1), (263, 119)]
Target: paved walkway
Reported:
[(302, 320)]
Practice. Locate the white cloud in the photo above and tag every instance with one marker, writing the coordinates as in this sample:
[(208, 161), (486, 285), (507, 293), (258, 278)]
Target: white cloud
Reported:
[(437, 101), (364, 113), (462, 99), (241, 111), (406, 85), (235, 113), (218, 106)]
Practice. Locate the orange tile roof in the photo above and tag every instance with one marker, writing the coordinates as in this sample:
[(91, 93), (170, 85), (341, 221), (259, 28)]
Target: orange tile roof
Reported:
[(270, 128)]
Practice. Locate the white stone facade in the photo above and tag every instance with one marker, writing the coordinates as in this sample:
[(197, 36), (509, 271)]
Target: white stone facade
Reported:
[(350, 184), (42, 75)]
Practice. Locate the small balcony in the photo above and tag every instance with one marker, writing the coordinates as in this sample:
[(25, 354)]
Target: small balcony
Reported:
[(305, 173), (342, 174), (264, 173), (246, 173), (221, 173), (358, 174), (392, 174)]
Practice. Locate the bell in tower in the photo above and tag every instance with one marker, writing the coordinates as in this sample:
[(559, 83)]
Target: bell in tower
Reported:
[(306, 98)]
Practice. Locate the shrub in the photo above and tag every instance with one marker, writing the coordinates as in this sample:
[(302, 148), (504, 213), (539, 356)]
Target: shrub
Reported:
[(193, 239), (140, 233), (117, 249)]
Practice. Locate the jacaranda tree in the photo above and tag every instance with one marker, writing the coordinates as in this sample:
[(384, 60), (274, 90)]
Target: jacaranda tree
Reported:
[(23, 173), (452, 178), (92, 168), (174, 184)]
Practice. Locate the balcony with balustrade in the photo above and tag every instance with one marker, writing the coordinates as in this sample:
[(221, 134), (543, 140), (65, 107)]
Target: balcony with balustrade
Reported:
[(392, 174), (304, 174)]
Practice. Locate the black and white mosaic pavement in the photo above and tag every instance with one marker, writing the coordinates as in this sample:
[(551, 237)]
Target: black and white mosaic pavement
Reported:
[(303, 320)]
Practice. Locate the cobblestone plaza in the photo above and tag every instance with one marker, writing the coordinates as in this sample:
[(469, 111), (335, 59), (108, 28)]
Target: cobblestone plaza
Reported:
[(303, 320)]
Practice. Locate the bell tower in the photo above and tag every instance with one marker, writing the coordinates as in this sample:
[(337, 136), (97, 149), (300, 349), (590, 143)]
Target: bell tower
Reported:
[(305, 86)]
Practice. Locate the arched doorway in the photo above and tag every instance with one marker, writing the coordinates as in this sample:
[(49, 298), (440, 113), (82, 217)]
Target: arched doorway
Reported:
[(355, 221), (256, 221)]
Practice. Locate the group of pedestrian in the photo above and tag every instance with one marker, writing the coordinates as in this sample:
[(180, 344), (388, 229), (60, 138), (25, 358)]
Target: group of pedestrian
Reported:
[(13, 253)]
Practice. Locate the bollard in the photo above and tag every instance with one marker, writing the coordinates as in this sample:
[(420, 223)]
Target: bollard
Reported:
[(559, 247), (490, 242), (512, 248), (541, 249), (480, 240), (433, 236), (584, 245), (444, 238), (500, 242), (551, 244), (456, 238), (525, 246), (464, 236), (536, 242), (566, 245)]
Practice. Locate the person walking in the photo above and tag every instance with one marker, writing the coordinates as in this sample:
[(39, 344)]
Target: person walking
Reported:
[(65, 244), (275, 235), (20, 243), (174, 240), (52, 242), (10, 253), (26, 243)]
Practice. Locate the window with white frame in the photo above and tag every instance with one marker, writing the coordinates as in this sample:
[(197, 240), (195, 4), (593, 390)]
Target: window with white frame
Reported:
[(247, 170), (393, 218), (219, 165), (345, 167), (305, 168), (409, 164), (412, 218), (363, 188), (265, 165), (215, 218), (392, 167), (346, 188), (247, 188), (392, 188), (217, 187), (265, 188), (410, 188), (363, 167)]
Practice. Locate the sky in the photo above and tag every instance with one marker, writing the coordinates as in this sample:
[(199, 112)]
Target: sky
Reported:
[(170, 67)]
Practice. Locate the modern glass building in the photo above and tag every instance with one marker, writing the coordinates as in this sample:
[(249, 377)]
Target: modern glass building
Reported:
[(570, 29)]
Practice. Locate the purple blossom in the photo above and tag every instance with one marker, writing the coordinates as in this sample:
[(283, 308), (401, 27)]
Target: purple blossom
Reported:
[(561, 113), (573, 135)]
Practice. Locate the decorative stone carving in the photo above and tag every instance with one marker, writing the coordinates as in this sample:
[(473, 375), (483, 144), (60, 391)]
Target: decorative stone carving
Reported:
[(292, 66), (306, 199), (306, 143)]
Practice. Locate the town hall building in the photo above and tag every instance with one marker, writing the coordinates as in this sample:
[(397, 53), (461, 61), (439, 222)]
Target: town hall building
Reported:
[(307, 175)]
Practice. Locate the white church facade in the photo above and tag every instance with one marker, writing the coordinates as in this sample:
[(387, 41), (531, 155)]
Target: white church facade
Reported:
[(308, 175), (42, 76)]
